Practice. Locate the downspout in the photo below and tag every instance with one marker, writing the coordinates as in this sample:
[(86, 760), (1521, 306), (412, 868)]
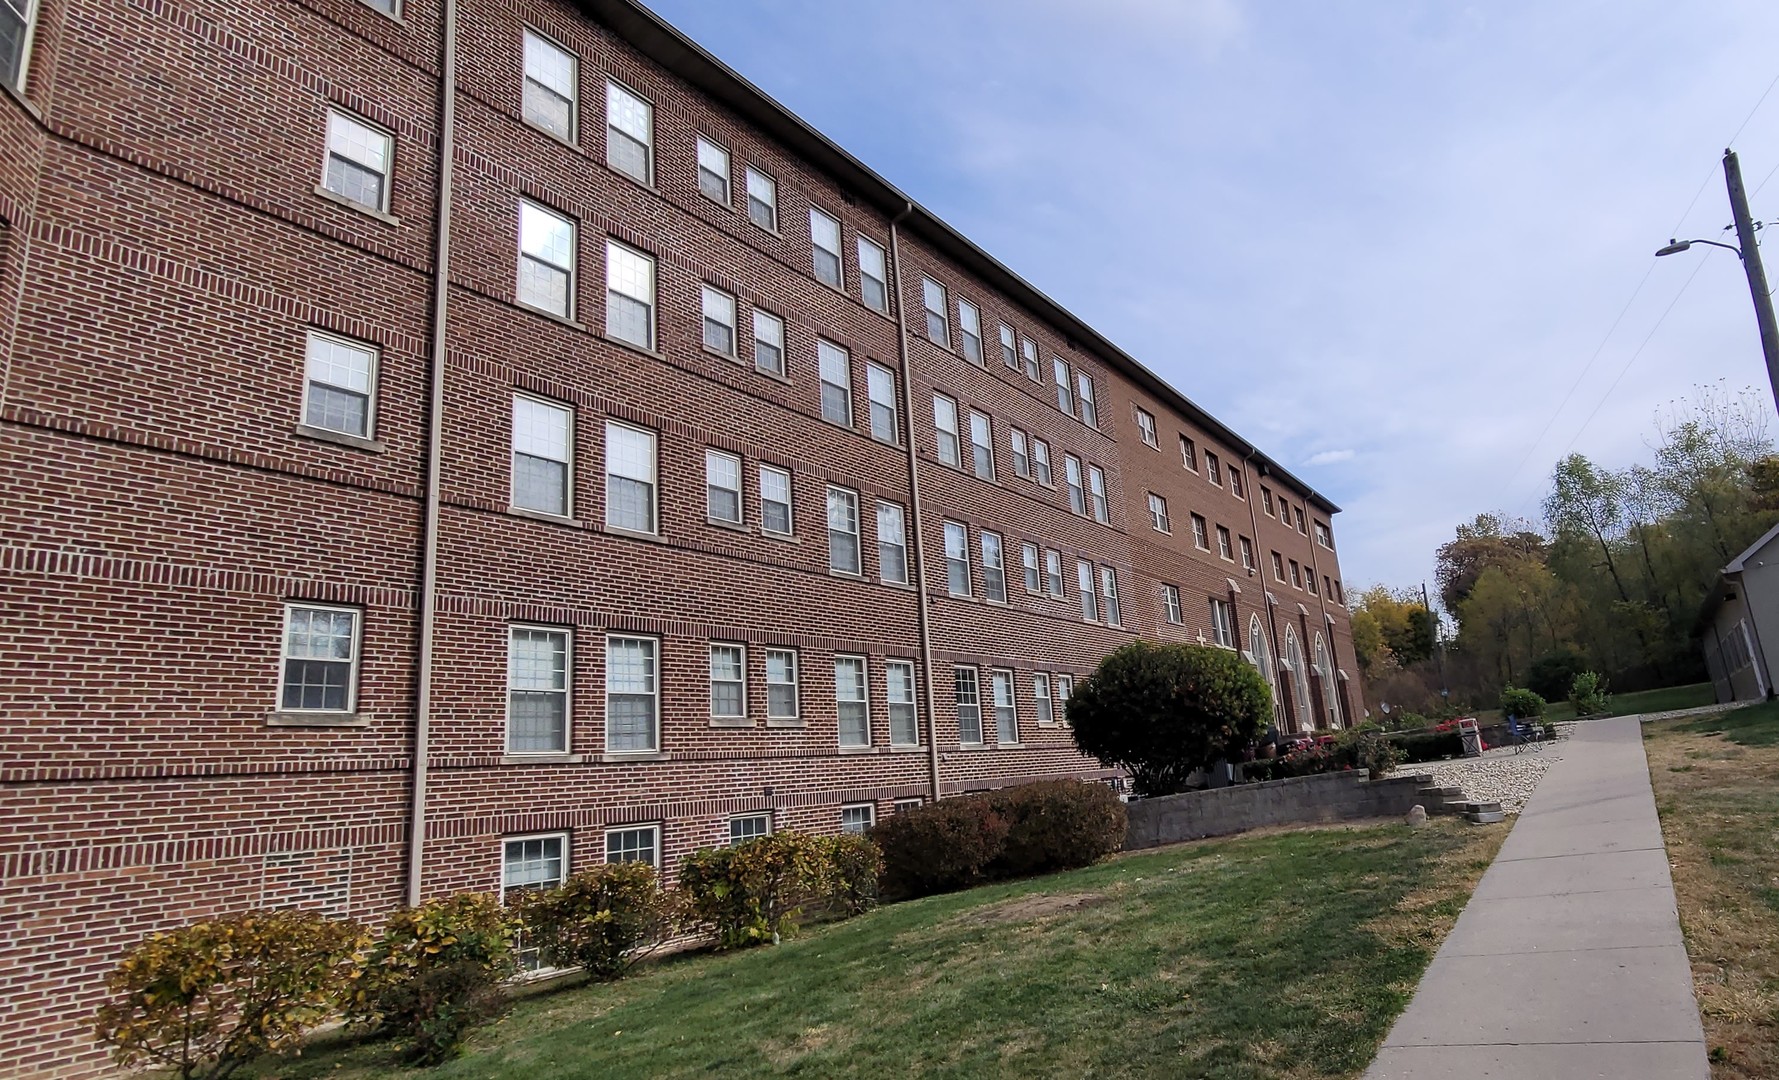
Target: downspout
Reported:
[(429, 559), (922, 616)]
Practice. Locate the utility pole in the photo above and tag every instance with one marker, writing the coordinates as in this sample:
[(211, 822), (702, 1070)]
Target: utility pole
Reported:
[(1751, 265), (1438, 646)]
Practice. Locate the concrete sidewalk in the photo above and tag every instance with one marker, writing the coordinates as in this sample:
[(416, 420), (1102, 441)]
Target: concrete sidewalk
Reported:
[(1568, 962)]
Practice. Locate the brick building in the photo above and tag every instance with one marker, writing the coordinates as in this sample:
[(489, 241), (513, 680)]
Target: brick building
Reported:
[(443, 446)]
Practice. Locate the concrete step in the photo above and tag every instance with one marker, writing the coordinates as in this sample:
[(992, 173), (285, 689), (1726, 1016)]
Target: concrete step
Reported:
[(1435, 791), (1485, 817)]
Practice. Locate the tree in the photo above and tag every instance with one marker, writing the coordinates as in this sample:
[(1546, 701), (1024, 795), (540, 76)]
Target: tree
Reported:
[(1488, 540), (1392, 628), (1162, 712)]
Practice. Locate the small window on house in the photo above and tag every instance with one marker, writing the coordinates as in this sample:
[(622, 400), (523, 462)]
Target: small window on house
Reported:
[(1201, 536), (1096, 487), (768, 343), (537, 690), (1338, 596), (1224, 550), (1266, 500), (1034, 575), (632, 705), (1028, 351), (719, 321), (873, 278), (1065, 688), (358, 159), (340, 385), (957, 558), (1109, 596), (781, 684), (1213, 470), (1064, 400), (1009, 354), (1022, 458), (775, 500), (16, 17), (1324, 537), (713, 171), (850, 702), (1235, 483), (543, 443), (933, 298), (747, 827), (1296, 575), (320, 659), (969, 706), (722, 486), (945, 428), (1071, 471), (994, 569), (880, 387), (1188, 453), (1084, 393), (629, 134), (1041, 462), (1278, 566), (629, 295), (898, 692), (546, 260), (892, 544), (969, 322), (1146, 426), (1222, 624), (1297, 512), (1284, 511), (1084, 581), (982, 447), (824, 239), (903, 806), (637, 844), (762, 200), (552, 86), (1170, 603), (1158, 518), (533, 863), (1247, 553), (1053, 573), (1041, 698), (1006, 713), (835, 365), (843, 531), (728, 682), (1309, 581), (858, 819), (629, 478)]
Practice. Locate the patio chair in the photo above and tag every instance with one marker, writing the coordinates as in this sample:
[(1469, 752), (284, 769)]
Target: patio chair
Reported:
[(1523, 735)]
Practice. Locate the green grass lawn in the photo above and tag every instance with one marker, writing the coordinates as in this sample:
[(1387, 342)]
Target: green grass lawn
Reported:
[(1643, 701), (1285, 955)]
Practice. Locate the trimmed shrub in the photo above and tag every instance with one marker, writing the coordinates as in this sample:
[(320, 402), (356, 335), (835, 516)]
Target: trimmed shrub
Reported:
[(1588, 694), (939, 847), (753, 892), (601, 920), (1522, 703), (853, 867), (1056, 825), (436, 972), (207, 998)]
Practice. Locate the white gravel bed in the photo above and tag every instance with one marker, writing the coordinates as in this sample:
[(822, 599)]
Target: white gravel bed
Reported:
[(1507, 779)]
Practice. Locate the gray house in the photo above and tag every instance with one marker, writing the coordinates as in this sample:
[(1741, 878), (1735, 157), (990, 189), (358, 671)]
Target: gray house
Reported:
[(1741, 623)]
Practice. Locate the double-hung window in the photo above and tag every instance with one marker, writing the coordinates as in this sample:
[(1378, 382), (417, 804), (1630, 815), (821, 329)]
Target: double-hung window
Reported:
[(892, 544), (969, 322), (1060, 371), (982, 447), (1224, 550), (1065, 687), (629, 295), (537, 690), (852, 708), (824, 240), (1170, 603), (1028, 351), (1189, 457), (713, 171), (543, 449), (340, 385), (1309, 581), (1247, 553), (728, 682), (762, 200), (1296, 575), (15, 33), (552, 86), (994, 568), (1084, 396), (1266, 500), (719, 321), (629, 134), (898, 692), (358, 161), (1297, 512), (722, 486), (835, 365), (1071, 471), (1278, 567), (1041, 462), (1053, 573), (781, 684), (1222, 624), (1009, 354), (629, 478), (320, 658), (1022, 458), (1235, 483), (1158, 518), (843, 531), (1324, 537), (957, 558), (880, 387), (1028, 561), (1109, 596), (1006, 713), (969, 706), (1213, 469), (873, 277), (932, 296), (1201, 537), (632, 696), (546, 260), (640, 843), (1096, 487), (945, 428), (768, 343), (775, 500), (1041, 698), (1084, 579), (1146, 426)]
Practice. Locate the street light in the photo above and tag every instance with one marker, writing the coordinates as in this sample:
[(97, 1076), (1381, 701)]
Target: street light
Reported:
[(1675, 247)]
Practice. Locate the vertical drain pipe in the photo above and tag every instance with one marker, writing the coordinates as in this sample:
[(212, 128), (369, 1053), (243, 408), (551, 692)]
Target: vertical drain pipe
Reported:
[(429, 563), (914, 517)]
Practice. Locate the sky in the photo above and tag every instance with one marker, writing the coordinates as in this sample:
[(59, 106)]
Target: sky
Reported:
[(1406, 248)]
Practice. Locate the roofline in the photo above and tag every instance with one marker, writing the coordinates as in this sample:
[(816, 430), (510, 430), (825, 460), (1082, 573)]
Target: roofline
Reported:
[(673, 50), (1739, 563)]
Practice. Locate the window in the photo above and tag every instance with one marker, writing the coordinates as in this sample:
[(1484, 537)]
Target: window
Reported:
[(1146, 426), (1041, 462), (543, 441), (1278, 566), (1065, 688), (892, 544), (713, 171), (1222, 627), (358, 160), (1028, 351), (1170, 603), (994, 571), (1158, 518), (749, 827), (762, 200), (1060, 371), (969, 322), (719, 321), (1323, 536), (1006, 713), (1266, 499), (768, 343), (850, 703), (1084, 392), (1327, 587), (1235, 483), (873, 278), (552, 86), (1284, 511), (957, 558), (339, 385), (945, 427), (532, 863), (903, 806), (15, 32), (1213, 470), (775, 500), (641, 844), (537, 690), (631, 695), (320, 659), (781, 684), (1223, 549), (1337, 593), (1109, 596), (722, 486), (1309, 581), (1096, 486), (880, 387), (933, 297), (728, 682), (1296, 575), (1009, 355), (898, 692), (629, 478), (629, 134), (1247, 553), (1188, 453), (546, 260), (836, 374), (1297, 512), (982, 447), (1041, 698), (969, 707), (858, 819), (1084, 579), (1200, 537), (1071, 470), (1053, 573), (1028, 560), (824, 240), (629, 295), (1022, 458), (843, 531)]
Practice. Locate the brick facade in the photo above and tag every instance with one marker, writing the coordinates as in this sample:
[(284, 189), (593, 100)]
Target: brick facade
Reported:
[(165, 253)]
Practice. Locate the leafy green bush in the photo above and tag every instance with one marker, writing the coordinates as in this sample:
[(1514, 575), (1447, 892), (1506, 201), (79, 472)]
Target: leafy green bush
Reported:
[(601, 920), (436, 972), (204, 999), (1525, 704), (939, 847), (754, 891), (1368, 748), (853, 867), (1552, 676), (1056, 825), (1588, 694), (1428, 745), (1161, 712)]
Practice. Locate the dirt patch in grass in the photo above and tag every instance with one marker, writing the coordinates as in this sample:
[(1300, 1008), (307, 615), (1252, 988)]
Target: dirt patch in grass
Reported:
[(1026, 908)]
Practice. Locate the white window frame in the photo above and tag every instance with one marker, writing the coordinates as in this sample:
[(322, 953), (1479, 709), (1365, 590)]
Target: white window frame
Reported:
[(816, 213), (1278, 568), (1246, 546), (880, 393), (863, 700), (758, 181), (1096, 493), (1188, 453), (653, 828), (717, 150), (900, 543), (982, 446), (1031, 563), (936, 317), (615, 92), (386, 176), (827, 351), (1090, 600), (711, 487), (1201, 533), (654, 694), (566, 461), (959, 704), (943, 406), (1041, 700), (616, 253), (1009, 348), (1055, 586), (774, 326), (528, 80), (1071, 473), (794, 683), (653, 481), (1065, 396), (1084, 400), (999, 678), (957, 555), (353, 663), (571, 271), (1022, 455), (969, 324), (564, 853), (27, 34), (763, 815), (373, 362), (789, 503), (1324, 535), (1225, 546), (1065, 689), (1034, 364), (1110, 608), (892, 702), (1213, 468), (740, 680), (1041, 463), (903, 806), (1170, 605), (880, 279), (1158, 519), (1146, 428), (1222, 623), (858, 555), (870, 810), (994, 565), (566, 691), (713, 302)]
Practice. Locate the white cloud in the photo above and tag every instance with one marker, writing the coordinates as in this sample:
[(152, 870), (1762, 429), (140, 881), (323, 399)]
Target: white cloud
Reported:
[(1329, 457)]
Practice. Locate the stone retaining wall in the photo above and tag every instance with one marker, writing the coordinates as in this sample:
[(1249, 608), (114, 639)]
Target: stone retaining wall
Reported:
[(1299, 800)]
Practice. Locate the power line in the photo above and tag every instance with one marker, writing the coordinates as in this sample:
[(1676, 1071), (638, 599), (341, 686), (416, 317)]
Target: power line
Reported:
[(1703, 184)]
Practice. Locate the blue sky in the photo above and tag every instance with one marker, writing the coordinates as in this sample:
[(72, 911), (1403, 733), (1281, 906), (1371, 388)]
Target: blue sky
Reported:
[(1382, 240)]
